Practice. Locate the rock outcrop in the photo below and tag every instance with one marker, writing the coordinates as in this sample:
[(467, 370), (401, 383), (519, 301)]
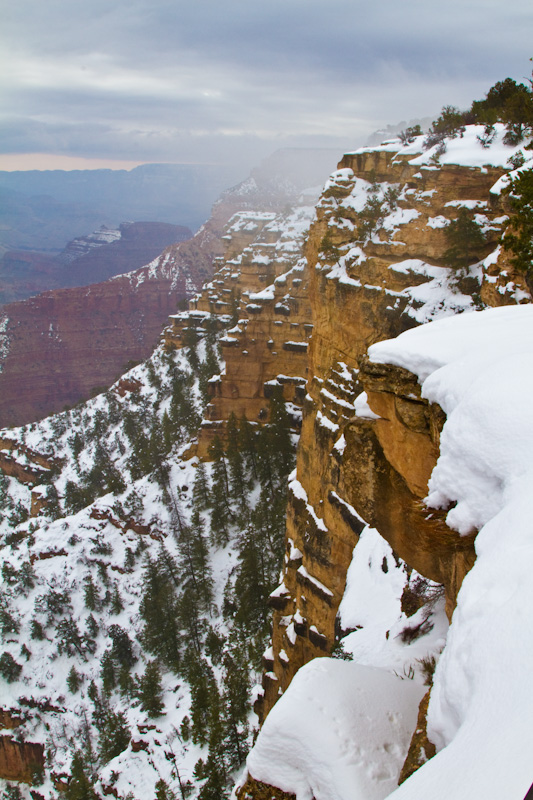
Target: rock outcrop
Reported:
[(259, 293), (19, 760), (378, 264)]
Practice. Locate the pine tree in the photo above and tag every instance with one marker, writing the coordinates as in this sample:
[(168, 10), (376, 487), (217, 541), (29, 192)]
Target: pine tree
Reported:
[(190, 618), (162, 792), (465, 239), (107, 673), (248, 445), (116, 601), (79, 786), (189, 338), (236, 467), (73, 680), (114, 735), (236, 709), (92, 627), (518, 237), (194, 561), (92, 599), (167, 430), (150, 690), (159, 611), (122, 650), (221, 512), (204, 696), (200, 492)]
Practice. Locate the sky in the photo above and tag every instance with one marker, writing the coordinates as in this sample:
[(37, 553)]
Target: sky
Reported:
[(125, 82)]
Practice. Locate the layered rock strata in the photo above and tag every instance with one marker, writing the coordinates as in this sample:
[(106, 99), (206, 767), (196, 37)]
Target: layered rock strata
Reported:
[(259, 294), (378, 265)]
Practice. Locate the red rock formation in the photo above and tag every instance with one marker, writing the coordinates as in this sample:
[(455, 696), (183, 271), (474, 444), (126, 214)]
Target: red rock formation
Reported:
[(62, 344), (19, 761)]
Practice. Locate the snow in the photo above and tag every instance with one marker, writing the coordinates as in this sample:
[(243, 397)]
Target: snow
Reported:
[(360, 755), (266, 294), (371, 608), (325, 422), (467, 150), (316, 583), (362, 409), (340, 444), (478, 367)]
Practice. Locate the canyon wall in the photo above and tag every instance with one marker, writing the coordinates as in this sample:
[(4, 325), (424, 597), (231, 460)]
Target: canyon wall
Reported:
[(87, 259), (377, 262), (370, 279), (58, 347)]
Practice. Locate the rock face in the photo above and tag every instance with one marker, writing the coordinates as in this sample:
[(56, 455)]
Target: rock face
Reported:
[(59, 346), (368, 460), (19, 761), (260, 294), (87, 259), (259, 291)]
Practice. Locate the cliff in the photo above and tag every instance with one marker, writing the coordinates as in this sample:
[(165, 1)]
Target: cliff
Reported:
[(86, 259), (259, 294), (115, 516), (377, 256)]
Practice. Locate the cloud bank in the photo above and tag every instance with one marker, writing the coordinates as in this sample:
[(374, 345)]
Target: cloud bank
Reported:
[(211, 81)]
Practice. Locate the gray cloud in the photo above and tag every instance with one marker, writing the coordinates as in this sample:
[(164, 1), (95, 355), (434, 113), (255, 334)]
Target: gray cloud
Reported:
[(169, 80)]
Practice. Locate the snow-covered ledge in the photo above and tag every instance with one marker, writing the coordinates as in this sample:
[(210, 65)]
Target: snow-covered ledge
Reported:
[(479, 368)]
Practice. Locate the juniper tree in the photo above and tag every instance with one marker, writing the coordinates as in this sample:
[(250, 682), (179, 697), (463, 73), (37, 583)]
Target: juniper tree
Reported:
[(465, 239)]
